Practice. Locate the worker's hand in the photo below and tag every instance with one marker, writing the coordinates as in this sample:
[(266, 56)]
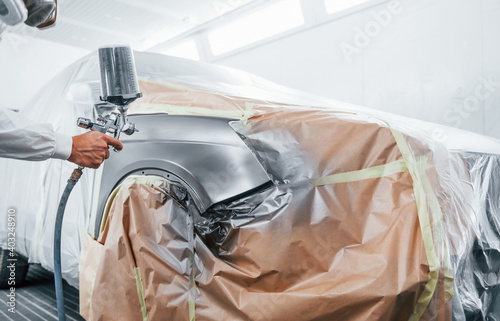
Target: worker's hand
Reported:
[(92, 148)]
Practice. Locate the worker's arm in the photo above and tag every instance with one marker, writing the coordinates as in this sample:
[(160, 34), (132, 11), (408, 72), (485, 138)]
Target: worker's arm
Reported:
[(21, 138)]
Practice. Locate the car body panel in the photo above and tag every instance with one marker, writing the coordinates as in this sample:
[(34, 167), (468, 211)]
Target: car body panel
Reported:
[(204, 153)]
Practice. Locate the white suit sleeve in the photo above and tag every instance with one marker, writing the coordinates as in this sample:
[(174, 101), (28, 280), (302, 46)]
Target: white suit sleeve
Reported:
[(21, 138)]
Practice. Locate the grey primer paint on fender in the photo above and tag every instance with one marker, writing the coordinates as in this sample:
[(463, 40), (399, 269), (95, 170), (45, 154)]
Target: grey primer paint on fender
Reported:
[(202, 153)]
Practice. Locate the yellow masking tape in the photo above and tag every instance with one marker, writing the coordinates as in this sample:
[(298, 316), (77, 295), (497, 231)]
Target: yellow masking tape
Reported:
[(192, 284), (146, 108), (246, 127), (140, 293), (439, 229), (107, 208), (367, 173), (95, 201), (248, 112), (192, 308), (425, 225), (192, 315), (173, 86), (408, 164), (149, 179)]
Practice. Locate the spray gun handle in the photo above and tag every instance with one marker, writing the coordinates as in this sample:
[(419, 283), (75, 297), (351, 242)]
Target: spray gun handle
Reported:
[(88, 124), (117, 136), (113, 125)]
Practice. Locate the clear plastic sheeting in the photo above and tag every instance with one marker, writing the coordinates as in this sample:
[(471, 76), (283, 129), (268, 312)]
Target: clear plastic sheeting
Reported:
[(370, 215), (479, 268), (33, 189)]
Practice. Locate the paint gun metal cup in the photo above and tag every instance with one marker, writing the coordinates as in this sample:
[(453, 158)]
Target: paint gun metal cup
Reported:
[(119, 83)]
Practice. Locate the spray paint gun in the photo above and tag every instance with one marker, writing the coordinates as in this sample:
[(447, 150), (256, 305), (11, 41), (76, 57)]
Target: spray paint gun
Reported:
[(119, 87)]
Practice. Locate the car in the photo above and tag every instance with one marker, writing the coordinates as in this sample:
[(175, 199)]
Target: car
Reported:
[(242, 199)]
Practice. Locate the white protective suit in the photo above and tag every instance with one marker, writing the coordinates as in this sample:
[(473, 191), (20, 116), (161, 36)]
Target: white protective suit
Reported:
[(22, 138)]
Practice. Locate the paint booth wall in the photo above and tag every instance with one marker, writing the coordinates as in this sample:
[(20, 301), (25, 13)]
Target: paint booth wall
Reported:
[(433, 60), (27, 64)]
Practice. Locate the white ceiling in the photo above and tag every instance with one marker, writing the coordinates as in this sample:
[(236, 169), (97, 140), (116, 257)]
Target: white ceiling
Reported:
[(89, 24)]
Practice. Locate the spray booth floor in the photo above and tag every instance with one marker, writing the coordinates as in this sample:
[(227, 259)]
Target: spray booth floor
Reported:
[(35, 299)]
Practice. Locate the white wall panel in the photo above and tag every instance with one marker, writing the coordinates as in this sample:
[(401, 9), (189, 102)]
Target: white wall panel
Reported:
[(310, 60), (431, 60), (26, 64), (416, 64), (491, 60)]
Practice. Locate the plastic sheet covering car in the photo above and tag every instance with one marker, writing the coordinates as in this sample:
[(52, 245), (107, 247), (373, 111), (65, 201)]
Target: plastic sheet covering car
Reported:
[(366, 216)]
